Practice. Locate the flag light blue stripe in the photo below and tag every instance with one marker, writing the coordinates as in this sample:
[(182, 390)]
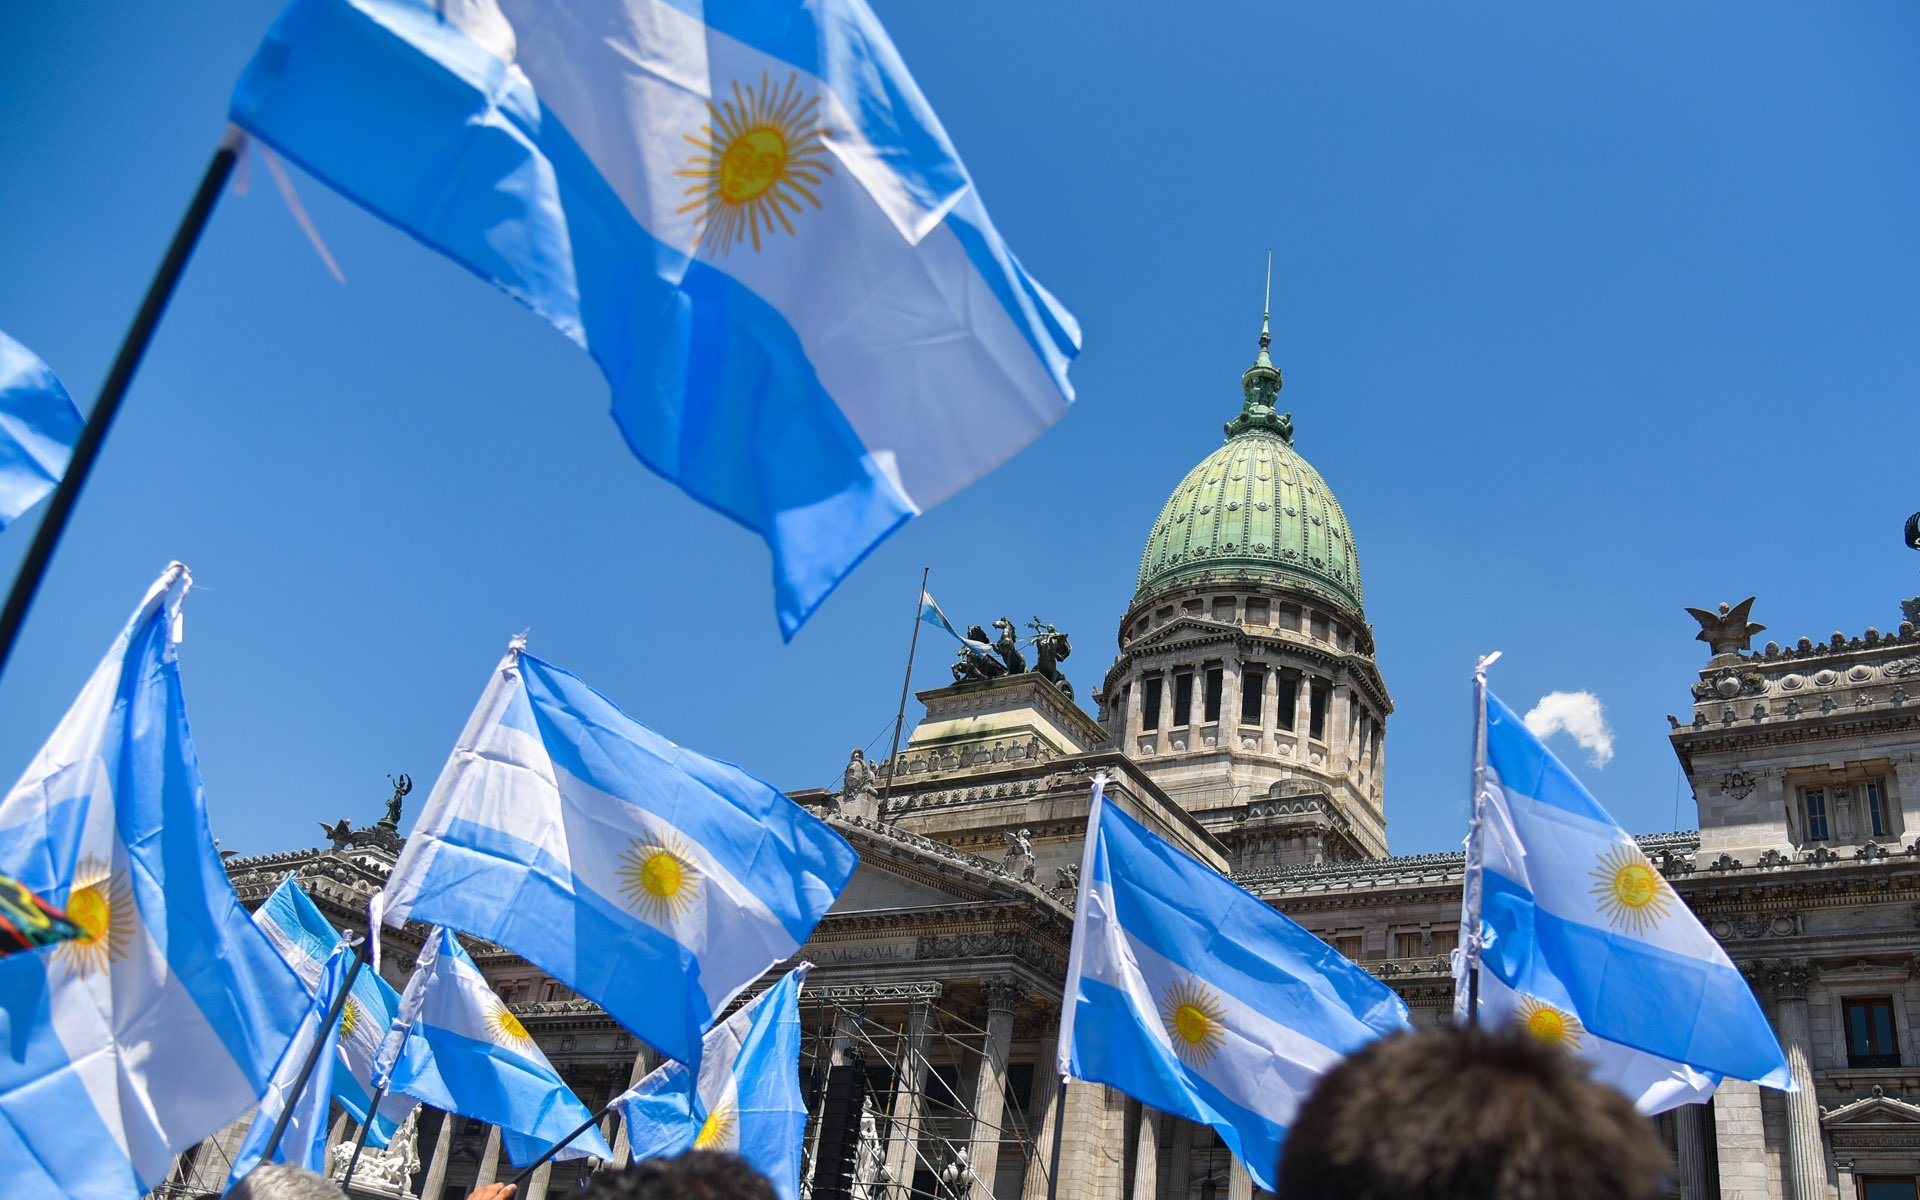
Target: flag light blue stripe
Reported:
[(749, 827), (487, 882), (55, 1108), (1526, 766), (39, 426), (1108, 1045), (1627, 991), (1189, 916)]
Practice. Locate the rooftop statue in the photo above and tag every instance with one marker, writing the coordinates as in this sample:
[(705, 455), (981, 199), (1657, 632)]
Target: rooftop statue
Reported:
[(1008, 647), (975, 665), (401, 787), (1049, 647), (1728, 631)]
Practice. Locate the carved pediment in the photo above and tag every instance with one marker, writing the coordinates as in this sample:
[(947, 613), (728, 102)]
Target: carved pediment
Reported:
[(1862, 971), (1179, 629), (1877, 1109)]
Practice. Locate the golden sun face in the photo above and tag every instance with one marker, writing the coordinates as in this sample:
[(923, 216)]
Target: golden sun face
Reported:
[(1195, 1021), (507, 1029), (349, 1018), (1631, 892), (760, 156), (661, 882), (1545, 1023), (717, 1131), (101, 904)]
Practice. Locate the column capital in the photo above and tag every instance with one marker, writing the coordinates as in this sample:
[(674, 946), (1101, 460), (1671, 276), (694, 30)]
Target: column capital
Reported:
[(1789, 978), (1002, 992)]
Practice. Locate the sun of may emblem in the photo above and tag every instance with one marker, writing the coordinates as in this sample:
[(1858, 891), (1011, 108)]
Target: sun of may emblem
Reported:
[(716, 1132), (507, 1029), (101, 904), (1195, 1020), (1553, 1026), (762, 154), (349, 1017), (1631, 893), (661, 882)]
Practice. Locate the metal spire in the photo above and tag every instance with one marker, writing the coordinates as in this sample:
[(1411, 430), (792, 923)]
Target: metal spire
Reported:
[(1266, 312)]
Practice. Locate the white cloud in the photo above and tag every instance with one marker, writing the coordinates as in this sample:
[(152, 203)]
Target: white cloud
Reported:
[(1578, 715)]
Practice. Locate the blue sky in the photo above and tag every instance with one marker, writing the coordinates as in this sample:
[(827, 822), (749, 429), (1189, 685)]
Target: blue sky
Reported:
[(1587, 313)]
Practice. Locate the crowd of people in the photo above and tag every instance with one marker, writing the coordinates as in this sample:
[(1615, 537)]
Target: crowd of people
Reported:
[(1470, 1115)]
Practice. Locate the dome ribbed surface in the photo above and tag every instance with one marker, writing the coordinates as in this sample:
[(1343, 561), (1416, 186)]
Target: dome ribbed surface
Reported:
[(1255, 506)]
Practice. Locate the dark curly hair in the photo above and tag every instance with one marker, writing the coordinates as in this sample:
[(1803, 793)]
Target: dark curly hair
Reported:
[(1466, 1114), (695, 1175)]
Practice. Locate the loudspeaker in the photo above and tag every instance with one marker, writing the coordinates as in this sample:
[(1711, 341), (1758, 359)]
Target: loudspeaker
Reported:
[(839, 1132)]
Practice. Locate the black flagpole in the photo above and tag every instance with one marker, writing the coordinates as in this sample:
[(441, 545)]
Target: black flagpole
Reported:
[(360, 1139), (47, 538), (900, 718), (313, 1051), (560, 1145), (1059, 1123)]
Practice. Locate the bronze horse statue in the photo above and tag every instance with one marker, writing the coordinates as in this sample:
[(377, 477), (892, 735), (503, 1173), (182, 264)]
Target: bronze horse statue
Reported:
[(1049, 647), (1008, 647), (975, 665)]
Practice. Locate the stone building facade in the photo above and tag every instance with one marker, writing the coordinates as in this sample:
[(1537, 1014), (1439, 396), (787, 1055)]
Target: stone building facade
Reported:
[(1244, 718)]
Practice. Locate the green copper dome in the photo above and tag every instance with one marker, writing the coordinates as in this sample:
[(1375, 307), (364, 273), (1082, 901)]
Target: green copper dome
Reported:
[(1255, 509)]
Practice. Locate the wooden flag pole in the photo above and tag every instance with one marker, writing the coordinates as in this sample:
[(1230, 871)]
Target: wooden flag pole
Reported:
[(34, 568)]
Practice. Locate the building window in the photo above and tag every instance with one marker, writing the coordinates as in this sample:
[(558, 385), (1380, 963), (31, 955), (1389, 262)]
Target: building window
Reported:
[(1876, 807), (1253, 690), (1407, 945), (1317, 712), (1889, 1187), (1285, 700), (1150, 705), (1257, 612), (1870, 1032), (1182, 698), (1348, 944), (1216, 679), (1444, 940), (1816, 808), (1318, 628)]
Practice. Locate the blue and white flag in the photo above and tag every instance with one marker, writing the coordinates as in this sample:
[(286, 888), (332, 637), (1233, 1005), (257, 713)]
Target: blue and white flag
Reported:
[(1193, 995), (1563, 908), (39, 425), (467, 1053), (652, 880), (746, 212), (305, 938), (304, 1141), (746, 1098), (931, 614), (158, 1028)]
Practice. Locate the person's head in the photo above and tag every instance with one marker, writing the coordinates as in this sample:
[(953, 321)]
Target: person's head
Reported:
[(1462, 1114), (695, 1175), (271, 1181)]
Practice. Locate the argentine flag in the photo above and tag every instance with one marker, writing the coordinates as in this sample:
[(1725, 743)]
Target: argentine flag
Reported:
[(1194, 996), (303, 1143), (466, 1053), (746, 1099), (1563, 910), (744, 210), (39, 425), (120, 1049), (305, 938), (654, 881)]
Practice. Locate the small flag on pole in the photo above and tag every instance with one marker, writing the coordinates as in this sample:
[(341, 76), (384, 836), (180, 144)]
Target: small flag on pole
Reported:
[(931, 614), (39, 425), (746, 1099), (467, 1053), (1193, 995), (162, 1024), (304, 1143), (748, 215), (652, 880), (306, 939), (1564, 910)]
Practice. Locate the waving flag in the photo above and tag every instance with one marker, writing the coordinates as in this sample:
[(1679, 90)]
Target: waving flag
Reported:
[(1194, 996), (161, 1025), (467, 1053), (931, 614), (304, 1142), (746, 212), (1563, 908), (746, 1098), (39, 425), (305, 939), (652, 880)]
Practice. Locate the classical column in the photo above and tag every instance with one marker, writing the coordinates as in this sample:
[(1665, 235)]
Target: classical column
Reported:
[(1180, 1160), (1339, 714), (436, 1181), (990, 1085), (1740, 1138), (489, 1159), (909, 1083), (1806, 1153), (1146, 1155), (1690, 1153), (623, 1144), (1043, 1108), (537, 1186), (1303, 707), (1239, 1183)]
